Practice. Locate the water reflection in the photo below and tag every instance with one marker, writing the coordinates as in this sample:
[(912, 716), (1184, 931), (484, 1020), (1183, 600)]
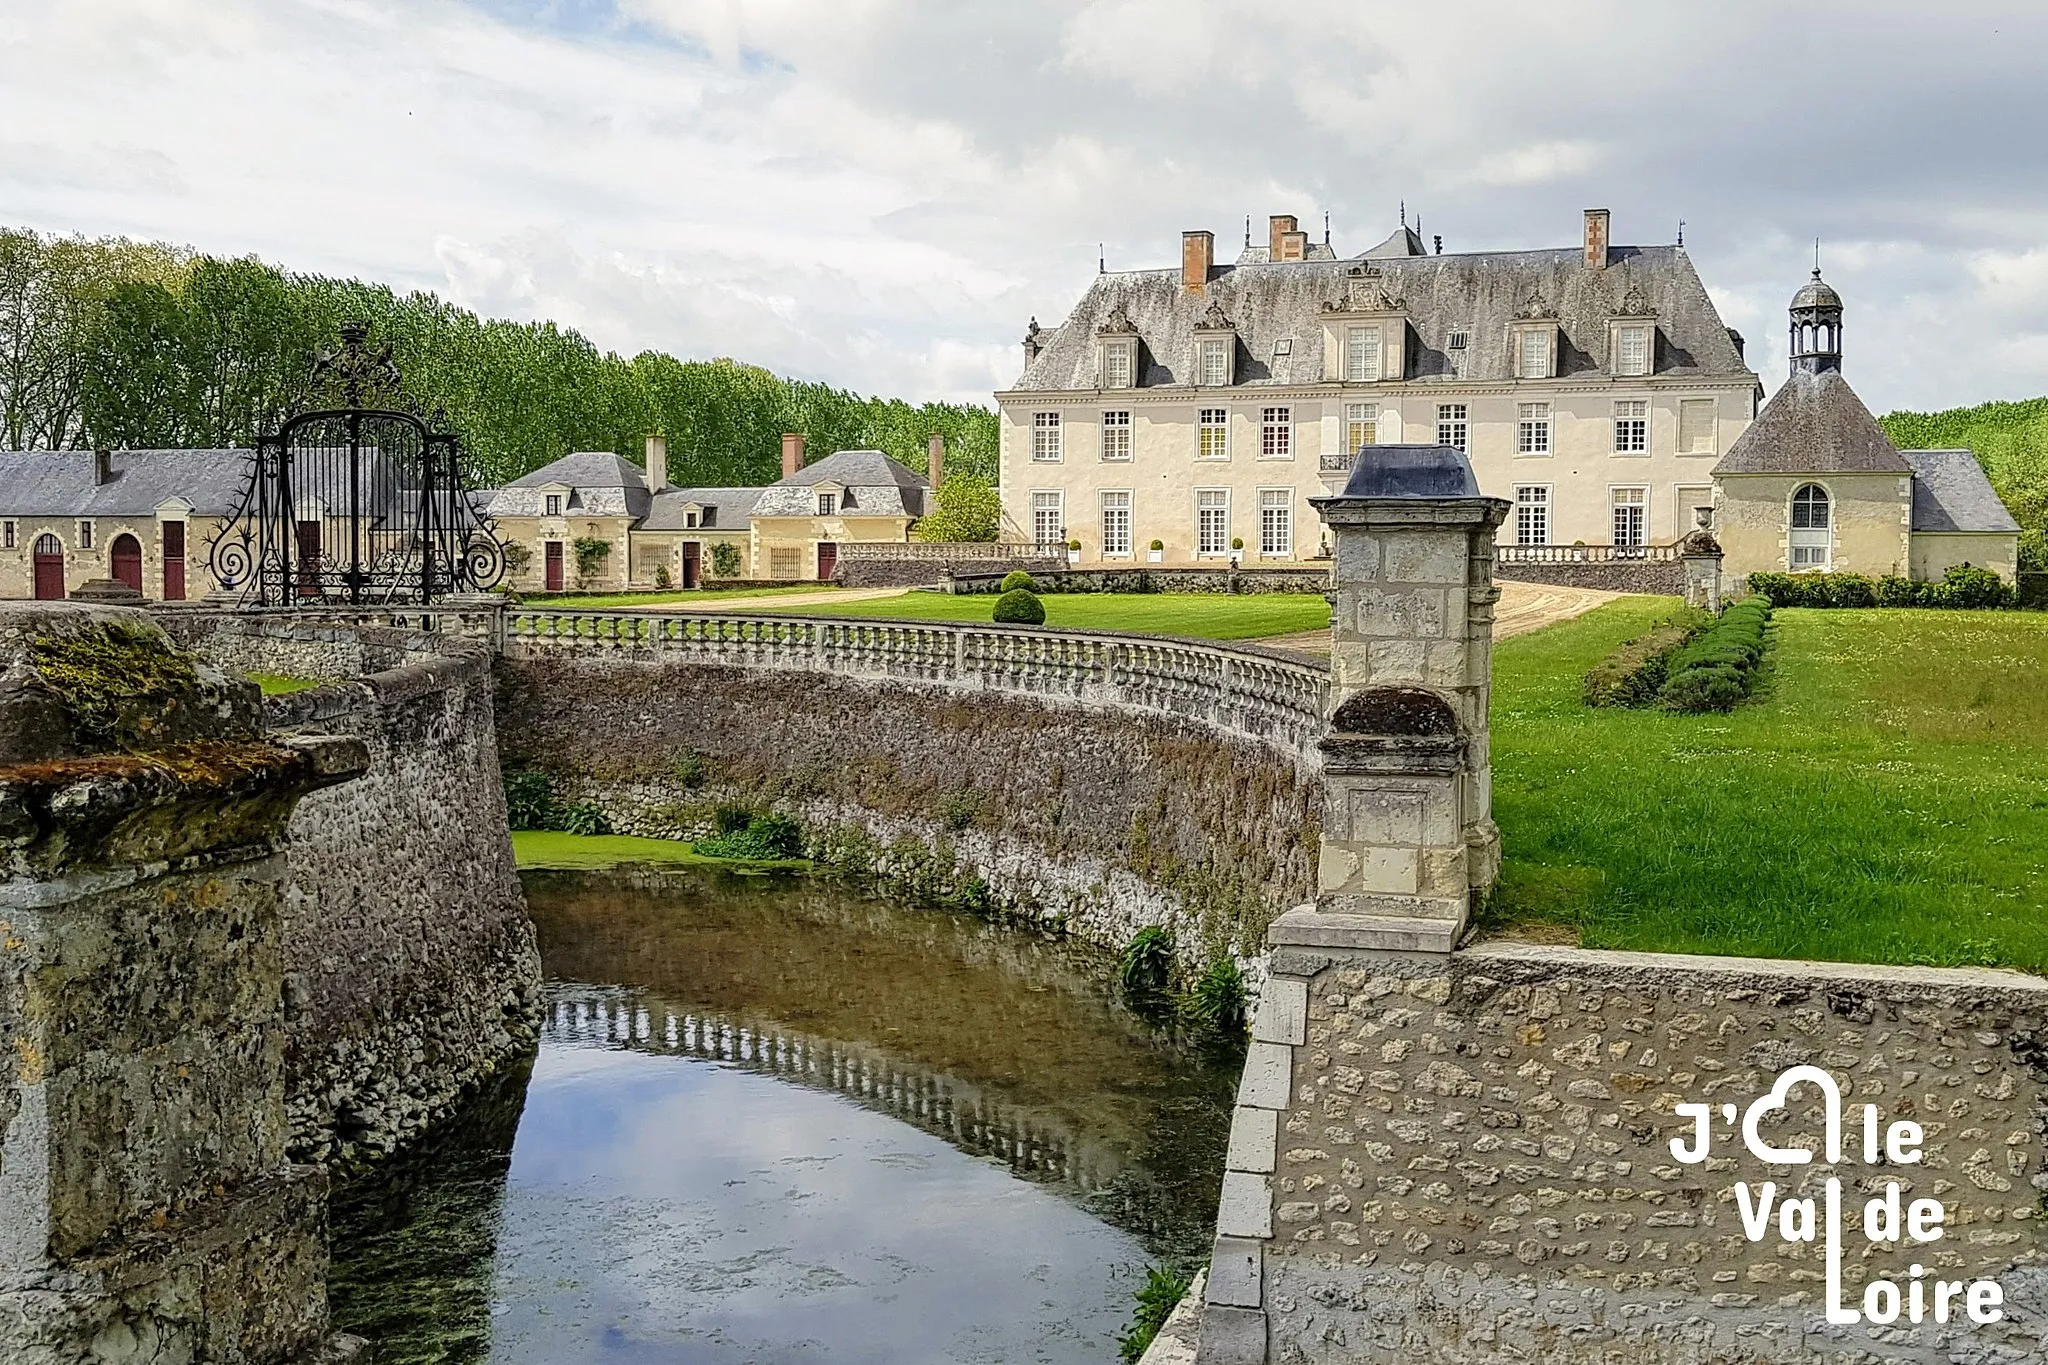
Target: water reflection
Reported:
[(780, 1122)]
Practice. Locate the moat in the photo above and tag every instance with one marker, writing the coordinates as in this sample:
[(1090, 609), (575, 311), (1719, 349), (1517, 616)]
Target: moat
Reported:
[(775, 1120)]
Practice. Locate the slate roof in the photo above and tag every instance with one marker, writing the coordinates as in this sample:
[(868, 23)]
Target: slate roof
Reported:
[(600, 484), (721, 509), (1951, 493), (1814, 424), (876, 486), (1259, 255), (1478, 293), (59, 483)]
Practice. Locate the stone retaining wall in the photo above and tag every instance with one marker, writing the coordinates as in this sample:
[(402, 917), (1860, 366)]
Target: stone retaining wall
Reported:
[(1142, 579), (1469, 1158), (1080, 815), (912, 573), (1662, 578), (411, 966)]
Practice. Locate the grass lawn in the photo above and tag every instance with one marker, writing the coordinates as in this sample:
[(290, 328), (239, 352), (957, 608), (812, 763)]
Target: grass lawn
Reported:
[(535, 848), (597, 600), (282, 684), (1882, 800), (1210, 616)]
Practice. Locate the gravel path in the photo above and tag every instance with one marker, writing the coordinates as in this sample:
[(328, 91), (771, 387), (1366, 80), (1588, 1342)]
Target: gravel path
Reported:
[(1523, 607)]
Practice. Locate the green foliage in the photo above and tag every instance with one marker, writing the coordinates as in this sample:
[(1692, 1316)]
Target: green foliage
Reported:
[(1162, 1291), (966, 507), (1016, 579), (2033, 591), (662, 581), (530, 799), (1215, 1007), (144, 345), (1718, 668), (1963, 586), (115, 680), (1020, 607), (1631, 675), (591, 554), (2011, 441), (1157, 544), (767, 836), (690, 770), (583, 817), (725, 559), (1146, 968)]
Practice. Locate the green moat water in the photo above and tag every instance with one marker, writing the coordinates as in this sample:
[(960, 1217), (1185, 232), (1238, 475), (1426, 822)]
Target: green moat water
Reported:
[(772, 1120)]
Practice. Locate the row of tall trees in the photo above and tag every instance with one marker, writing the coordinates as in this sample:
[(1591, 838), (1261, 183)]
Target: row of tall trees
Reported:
[(139, 345)]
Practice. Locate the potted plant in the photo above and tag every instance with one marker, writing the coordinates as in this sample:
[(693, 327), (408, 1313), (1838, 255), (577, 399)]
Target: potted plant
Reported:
[(1157, 552), (1236, 551), (1073, 552)]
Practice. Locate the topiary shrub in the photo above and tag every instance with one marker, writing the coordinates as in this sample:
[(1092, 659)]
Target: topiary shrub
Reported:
[(1850, 590), (1631, 675), (1017, 578), (1020, 607), (1962, 586), (1710, 687), (1719, 668)]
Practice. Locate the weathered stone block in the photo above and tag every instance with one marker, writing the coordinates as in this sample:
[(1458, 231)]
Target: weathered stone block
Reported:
[(1383, 613), (1232, 1336), (1235, 1271), (1246, 1208), (1267, 1080), (1283, 1012), (1423, 557), (1254, 1137)]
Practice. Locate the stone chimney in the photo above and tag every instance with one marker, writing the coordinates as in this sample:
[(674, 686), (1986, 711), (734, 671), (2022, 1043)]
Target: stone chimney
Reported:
[(1197, 255), (1596, 239), (934, 458), (102, 468), (1285, 241), (792, 454), (657, 463)]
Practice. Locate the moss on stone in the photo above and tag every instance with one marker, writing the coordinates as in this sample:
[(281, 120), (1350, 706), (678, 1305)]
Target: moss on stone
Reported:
[(119, 682)]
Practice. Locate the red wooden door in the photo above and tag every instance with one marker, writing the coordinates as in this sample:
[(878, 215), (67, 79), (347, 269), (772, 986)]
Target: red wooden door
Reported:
[(693, 563), (49, 558), (554, 574), (127, 559), (174, 561), (828, 559), (309, 558)]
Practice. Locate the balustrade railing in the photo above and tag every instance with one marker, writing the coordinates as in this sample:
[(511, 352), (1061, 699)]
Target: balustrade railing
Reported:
[(1239, 689), (944, 550), (1585, 554)]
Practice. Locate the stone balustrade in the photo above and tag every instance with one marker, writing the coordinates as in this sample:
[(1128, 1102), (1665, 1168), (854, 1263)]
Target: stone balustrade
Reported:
[(937, 551), (1237, 688), (1585, 554)]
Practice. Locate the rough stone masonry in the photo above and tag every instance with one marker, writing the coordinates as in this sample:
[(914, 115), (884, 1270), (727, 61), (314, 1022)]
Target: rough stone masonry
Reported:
[(148, 1211)]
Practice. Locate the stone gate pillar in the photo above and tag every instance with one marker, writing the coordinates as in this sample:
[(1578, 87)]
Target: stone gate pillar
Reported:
[(147, 1211), (1408, 838)]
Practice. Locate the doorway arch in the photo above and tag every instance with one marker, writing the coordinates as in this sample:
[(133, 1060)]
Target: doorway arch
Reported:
[(126, 556), (49, 568)]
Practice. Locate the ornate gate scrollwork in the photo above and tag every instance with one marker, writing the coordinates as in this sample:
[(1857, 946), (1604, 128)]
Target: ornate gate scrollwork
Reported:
[(359, 503)]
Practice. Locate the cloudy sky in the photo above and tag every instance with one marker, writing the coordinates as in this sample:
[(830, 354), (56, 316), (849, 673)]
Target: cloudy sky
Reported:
[(878, 193)]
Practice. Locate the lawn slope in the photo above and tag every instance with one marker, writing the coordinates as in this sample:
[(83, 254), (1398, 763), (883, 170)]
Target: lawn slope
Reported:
[(1882, 801), (1209, 616)]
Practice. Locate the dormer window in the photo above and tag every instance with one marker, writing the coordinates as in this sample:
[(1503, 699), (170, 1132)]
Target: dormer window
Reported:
[(1535, 351), (828, 504), (689, 521), (1215, 347), (1361, 355), (1213, 368), (554, 504), (1632, 348), (1117, 364)]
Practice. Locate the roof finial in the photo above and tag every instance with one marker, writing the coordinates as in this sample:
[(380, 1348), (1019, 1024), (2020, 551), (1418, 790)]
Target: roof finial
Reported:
[(1247, 229), (1101, 260), (1681, 232), (1404, 213), (1816, 258), (1326, 227)]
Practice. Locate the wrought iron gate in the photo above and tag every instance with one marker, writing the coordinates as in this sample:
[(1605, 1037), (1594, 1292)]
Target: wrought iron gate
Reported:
[(356, 504)]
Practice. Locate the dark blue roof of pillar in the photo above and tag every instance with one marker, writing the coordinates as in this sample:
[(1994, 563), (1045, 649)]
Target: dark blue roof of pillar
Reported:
[(1404, 471)]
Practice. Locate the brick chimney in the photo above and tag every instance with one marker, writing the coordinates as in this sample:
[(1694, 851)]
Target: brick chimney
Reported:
[(1596, 239), (102, 468), (934, 458), (792, 453), (1278, 228), (1197, 254), (657, 463)]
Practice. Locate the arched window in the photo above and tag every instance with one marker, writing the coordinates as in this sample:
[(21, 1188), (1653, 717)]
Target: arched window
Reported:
[(49, 568), (1809, 538), (47, 544)]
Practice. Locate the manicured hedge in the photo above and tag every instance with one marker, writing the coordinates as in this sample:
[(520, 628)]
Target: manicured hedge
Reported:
[(1633, 673), (1017, 578), (1964, 586), (1020, 607), (1719, 667), (2033, 591)]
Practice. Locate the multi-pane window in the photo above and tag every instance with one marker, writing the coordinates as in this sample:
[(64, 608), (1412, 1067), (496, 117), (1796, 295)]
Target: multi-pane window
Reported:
[(1276, 434), (1632, 350), (1116, 523), (828, 504), (1362, 354), (1212, 521), (1116, 366), (1045, 436), (1276, 522), (1631, 427), (1116, 436), (85, 535), (7, 534), (554, 504), (1631, 516), (1809, 537), (1213, 362), (1212, 434), (1532, 514), (1361, 426), (1048, 518), (1532, 429), (1532, 353), (1450, 425), (1695, 426)]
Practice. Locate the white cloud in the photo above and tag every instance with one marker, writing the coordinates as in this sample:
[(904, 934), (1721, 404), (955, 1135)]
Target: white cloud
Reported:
[(878, 192)]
